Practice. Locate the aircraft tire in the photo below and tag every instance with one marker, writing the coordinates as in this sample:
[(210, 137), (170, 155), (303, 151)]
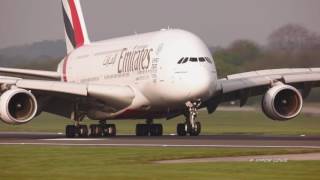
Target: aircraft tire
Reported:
[(181, 129), (156, 130), (71, 131)]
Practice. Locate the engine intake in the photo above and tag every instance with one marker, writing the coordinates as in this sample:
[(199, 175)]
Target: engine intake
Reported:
[(282, 102), (17, 106)]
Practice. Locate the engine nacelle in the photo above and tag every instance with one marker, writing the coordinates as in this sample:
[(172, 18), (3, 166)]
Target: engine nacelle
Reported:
[(17, 106), (282, 103)]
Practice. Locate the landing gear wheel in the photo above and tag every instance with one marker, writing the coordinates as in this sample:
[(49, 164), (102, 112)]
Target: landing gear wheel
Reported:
[(181, 130), (83, 131), (142, 130), (96, 130), (93, 130), (149, 130), (110, 130), (192, 126), (196, 130), (71, 131), (156, 130), (99, 131)]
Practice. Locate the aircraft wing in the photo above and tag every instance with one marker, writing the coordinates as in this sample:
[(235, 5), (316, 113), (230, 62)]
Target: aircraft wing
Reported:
[(244, 85), (34, 73), (58, 96)]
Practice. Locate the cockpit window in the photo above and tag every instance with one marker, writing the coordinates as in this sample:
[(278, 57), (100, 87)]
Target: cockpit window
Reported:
[(209, 60), (193, 59), (202, 59), (180, 61), (185, 60)]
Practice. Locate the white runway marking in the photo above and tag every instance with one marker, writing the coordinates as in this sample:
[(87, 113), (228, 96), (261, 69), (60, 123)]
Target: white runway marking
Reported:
[(160, 145)]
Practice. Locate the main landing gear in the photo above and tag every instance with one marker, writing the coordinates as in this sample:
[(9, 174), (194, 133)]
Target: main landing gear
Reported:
[(191, 126), (96, 130), (149, 129), (103, 129), (76, 131)]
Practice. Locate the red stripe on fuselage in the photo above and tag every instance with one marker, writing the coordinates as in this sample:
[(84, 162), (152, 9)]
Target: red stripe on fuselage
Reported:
[(78, 34), (64, 69)]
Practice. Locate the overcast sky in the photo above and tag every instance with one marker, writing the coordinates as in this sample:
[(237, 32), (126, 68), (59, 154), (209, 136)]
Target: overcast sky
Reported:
[(217, 22)]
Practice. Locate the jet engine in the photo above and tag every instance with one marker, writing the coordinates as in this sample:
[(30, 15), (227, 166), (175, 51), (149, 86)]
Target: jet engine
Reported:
[(282, 102), (17, 106)]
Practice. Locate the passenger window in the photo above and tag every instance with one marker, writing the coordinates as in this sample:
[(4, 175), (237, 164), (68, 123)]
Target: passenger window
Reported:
[(202, 59), (180, 61), (194, 59), (185, 60)]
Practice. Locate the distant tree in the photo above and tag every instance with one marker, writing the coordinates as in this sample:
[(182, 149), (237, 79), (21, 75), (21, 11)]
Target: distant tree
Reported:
[(291, 46), (244, 51), (294, 46), (233, 59), (292, 38)]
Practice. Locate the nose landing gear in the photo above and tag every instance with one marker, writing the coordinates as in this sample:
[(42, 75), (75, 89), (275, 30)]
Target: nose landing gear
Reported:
[(191, 126)]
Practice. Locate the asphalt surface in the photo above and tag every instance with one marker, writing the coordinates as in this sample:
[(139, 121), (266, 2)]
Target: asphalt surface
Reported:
[(31, 138)]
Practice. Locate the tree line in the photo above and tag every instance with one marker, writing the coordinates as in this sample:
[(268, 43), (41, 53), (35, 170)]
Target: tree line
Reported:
[(291, 46)]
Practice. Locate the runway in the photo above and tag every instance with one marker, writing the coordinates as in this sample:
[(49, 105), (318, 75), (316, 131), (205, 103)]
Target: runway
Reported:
[(231, 141)]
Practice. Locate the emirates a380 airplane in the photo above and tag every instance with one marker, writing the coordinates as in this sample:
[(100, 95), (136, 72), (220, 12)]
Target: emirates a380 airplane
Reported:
[(161, 74)]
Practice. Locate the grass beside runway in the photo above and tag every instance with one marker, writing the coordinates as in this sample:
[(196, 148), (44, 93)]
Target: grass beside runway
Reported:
[(43, 162), (217, 123)]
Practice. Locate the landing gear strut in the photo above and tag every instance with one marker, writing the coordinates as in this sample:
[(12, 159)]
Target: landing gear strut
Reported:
[(77, 130), (191, 126), (96, 130), (149, 129)]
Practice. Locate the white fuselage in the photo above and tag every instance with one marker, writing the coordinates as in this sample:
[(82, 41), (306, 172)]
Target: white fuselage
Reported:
[(150, 64)]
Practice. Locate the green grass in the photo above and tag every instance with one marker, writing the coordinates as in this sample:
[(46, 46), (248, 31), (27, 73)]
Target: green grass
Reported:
[(41, 162), (217, 123), (50, 162)]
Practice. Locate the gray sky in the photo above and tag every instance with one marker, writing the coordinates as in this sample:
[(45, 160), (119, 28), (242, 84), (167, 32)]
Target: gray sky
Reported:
[(217, 22)]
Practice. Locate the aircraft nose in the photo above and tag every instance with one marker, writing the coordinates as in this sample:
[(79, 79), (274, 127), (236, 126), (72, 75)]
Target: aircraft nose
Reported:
[(201, 83)]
